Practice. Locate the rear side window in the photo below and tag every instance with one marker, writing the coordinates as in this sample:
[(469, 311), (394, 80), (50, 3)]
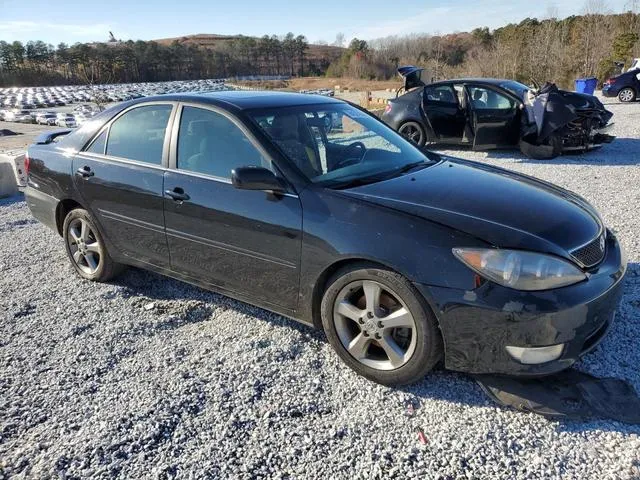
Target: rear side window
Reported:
[(98, 144), (139, 134), (441, 94), (210, 143)]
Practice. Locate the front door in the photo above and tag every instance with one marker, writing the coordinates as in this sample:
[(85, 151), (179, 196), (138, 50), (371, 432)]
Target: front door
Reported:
[(247, 242), (120, 177), (495, 118), (445, 113)]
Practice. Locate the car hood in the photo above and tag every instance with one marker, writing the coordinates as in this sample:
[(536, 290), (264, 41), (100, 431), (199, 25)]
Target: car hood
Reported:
[(503, 208), (582, 101)]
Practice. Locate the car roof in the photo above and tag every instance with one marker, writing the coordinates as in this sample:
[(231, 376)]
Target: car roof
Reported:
[(245, 100), (490, 81)]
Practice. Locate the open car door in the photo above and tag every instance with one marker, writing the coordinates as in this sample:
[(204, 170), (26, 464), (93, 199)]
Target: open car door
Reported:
[(494, 117), (445, 113)]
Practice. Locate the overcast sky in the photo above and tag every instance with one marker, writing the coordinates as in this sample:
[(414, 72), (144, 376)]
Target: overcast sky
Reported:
[(73, 21)]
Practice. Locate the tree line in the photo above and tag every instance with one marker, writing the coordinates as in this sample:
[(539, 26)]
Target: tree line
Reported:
[(37, 63), (551, 49)]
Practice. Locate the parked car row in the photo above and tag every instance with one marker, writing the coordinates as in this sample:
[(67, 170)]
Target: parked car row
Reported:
[(327, 92), (27, 98), (73, 119), (26, 104)]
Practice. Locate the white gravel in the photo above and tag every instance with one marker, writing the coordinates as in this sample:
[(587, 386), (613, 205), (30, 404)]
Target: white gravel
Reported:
[(150, 378)]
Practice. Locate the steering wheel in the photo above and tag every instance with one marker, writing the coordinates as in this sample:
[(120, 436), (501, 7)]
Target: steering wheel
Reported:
[(359, 149)]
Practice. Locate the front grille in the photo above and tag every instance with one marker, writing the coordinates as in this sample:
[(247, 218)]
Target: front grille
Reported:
[(592, 253)]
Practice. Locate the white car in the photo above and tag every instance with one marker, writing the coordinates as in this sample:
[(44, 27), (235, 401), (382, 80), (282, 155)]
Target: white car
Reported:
[(67, 122), (46, 119)]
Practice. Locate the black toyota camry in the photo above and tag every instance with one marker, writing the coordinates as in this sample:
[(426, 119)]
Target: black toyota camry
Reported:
[(314, 209)]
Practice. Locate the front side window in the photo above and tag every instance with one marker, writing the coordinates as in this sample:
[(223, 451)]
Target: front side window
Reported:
[(487, 99), (97, 146), (337, 143), (139, 134), (212, 144)]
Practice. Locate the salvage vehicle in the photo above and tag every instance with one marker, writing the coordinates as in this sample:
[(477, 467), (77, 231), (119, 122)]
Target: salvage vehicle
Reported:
[(486, 113), (405, 258), (625, 86)]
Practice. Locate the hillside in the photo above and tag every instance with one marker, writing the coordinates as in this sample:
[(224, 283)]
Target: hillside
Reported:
[(314, 53)]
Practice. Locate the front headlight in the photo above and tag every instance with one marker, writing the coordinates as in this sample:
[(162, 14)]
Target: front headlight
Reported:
[(520, 270)]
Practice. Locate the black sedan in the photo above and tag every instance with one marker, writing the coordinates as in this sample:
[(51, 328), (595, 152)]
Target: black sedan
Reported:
[(404, 258), (487, 113)]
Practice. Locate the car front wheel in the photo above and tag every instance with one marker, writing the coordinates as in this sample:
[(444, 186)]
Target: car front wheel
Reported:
[(627, 95), (380, 325), (86, 249)]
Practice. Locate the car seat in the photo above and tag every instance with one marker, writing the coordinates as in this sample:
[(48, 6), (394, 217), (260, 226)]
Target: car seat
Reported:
[(478, 102), (294, 138)]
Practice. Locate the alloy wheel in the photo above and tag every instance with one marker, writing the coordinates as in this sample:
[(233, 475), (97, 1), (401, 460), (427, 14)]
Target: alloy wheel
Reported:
[(626, 95), (374, 325), (84, 246), (412, 133)]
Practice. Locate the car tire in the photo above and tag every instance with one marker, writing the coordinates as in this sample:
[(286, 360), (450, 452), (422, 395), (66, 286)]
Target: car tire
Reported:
[(394, 343), (86, 248), (547, 151), (414, 132), (627, 95)]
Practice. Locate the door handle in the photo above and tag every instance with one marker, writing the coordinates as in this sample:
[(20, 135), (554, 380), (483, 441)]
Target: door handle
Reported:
[(85, 172), (177, 194)]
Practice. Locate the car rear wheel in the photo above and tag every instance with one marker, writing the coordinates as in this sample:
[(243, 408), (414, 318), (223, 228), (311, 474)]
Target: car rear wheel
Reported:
[(413, 132), (627, 95), (380, 325), (86, 249)]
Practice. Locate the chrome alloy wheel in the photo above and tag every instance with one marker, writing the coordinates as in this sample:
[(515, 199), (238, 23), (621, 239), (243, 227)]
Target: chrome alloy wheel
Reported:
[(84, 246), (626, 95), (374, 325)]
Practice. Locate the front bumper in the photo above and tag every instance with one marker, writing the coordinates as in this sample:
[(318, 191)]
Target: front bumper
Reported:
[(477, 325)]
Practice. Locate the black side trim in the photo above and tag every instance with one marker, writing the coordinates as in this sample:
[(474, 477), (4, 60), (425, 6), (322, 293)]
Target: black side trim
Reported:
[(131, 221), (230, 248)]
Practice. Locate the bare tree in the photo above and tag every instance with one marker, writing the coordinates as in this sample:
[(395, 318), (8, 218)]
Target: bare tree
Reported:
[(89, 75), (339, 41)]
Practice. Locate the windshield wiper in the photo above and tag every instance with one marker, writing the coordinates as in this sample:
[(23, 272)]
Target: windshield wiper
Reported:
[(410, 166), (358, 182)]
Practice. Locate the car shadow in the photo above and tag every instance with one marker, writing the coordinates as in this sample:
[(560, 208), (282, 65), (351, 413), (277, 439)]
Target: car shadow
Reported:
[(11, 200), (621, 152), (456, 388)]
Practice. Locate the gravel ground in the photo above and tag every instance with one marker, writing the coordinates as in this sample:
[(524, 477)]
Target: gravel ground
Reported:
[(148, 377)]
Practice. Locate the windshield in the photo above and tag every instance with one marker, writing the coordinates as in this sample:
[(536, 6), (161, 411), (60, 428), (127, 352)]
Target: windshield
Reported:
[(337, 144), (515, 87)]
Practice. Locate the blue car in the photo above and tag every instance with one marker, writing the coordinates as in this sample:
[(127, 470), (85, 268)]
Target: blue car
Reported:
[(625, 86)]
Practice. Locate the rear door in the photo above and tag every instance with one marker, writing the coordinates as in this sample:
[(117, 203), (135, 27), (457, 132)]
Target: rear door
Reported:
[(445, 113), (247, 242), (120, 177), (495, 117)]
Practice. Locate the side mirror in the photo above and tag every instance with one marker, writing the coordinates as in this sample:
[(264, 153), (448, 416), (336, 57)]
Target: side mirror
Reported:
[(256, 178)]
